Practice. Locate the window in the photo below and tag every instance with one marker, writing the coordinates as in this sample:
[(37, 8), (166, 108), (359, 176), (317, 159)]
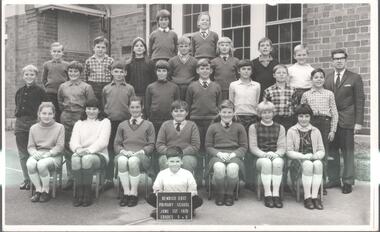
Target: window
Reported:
[(236, 25), (190, 16), (73, 32), (283, 27), (153, 9)]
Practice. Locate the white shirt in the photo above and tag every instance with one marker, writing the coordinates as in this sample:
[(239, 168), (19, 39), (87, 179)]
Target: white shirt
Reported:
[(341, 73), (138, 120), (201, 81), (299, 76), (182, 181), (164, 29), (181, 126), (245, 96)]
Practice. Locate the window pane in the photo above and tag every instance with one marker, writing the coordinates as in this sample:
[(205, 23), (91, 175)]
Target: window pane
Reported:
[(236, 17), (283, 11), (285, 32), (186, 8), (247, 53), (227, 33), (226, 6), (272, 33), (247, 36), (195, 26), (271, 13), (296, 30), (285, 53), (275, 52), (204, 7), (238, 53), (187, 24), (196, 8), (296, 10), (235, 5), (226, 19), (238, 38), (246, 15)]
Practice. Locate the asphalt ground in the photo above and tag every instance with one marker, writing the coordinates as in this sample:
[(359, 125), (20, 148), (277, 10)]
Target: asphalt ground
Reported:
[(341, 210)]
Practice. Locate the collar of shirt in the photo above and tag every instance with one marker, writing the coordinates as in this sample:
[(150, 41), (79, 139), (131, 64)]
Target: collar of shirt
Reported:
[(314, 90), (183, 57), (224, 124), (176, 173), (222, 56), (118, 83), (299, 127), (341, 73), (76, 82), (265, 59), (208, 81), (93, 57), (286, 86), (56, 61), (138, 120), (183, 123), (240, 82), (164, 29), (206, 31), (266, 124), (33, 85)]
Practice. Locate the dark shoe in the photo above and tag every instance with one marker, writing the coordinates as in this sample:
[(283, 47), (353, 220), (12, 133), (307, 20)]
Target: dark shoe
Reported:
[(268, 202), (308, 203), (219, 200), (324, 192), (108, 184), (347, 188), (87, 201), (68, 186), (124, 200), (78, 201), (250, 187), (36, 197), (277, 202), (25, 185), (45, 197), (317, 204), (287, 189), (153, 214), (229, 200), (132, 201), (332, 184)]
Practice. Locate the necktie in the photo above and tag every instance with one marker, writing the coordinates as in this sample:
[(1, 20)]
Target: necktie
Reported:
[(205, 84), (227, 125), (204, 34), (337, 82), (225, 58), (134, 121), (178, 128)]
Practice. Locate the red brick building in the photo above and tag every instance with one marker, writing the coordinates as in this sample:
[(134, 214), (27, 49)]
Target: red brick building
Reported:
[(30, 29)]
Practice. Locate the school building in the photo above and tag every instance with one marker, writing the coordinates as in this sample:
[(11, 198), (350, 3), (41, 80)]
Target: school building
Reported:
[(30, 29)]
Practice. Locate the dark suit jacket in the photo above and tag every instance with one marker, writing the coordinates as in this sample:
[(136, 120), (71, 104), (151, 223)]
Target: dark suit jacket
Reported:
[(349, 98)]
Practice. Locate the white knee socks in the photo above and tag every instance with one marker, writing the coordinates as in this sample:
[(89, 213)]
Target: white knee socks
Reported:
[(317, 179), (306, 181), (124, 179), (266, 179), (276, 182), (134, 184), (35, 178), (45, 183)]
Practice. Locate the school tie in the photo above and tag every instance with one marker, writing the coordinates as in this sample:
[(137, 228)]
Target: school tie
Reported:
[(134, 121), (203, 34), (227, 125), (178, 128), (337, 82), (205, 84), (225, 58)]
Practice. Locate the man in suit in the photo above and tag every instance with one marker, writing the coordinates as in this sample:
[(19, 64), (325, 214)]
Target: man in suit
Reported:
[(349, 97)]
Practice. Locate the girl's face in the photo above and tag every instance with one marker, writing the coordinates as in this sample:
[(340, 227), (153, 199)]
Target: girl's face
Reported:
[(281, 75), (224, 48), (92, 112), (162, 74), (73, 73), (174, 164), (245, 72), (29, 77), (301, 56), (118, 74), (135, 109), (184, 49), (267, 116), (179, 115), (204, 22), (204, 72), (100, 49), (304, 119), (139, 48), (265, 48), (318, 80), (226, 114), (163, 22), (46, 115)]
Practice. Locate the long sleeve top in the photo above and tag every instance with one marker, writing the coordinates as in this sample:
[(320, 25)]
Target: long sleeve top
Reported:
[(204, 47), (92, 135), (140, 73), (73, 95), (181, 181), (115, 98), (183, 72), (263, 75), (162, 45), (245, 97), (54, 74), (28, 99), (46, 138), (225, 72)]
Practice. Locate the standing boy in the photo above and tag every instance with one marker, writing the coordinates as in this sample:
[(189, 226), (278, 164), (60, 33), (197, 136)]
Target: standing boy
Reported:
[(115, 99), (54, 74)]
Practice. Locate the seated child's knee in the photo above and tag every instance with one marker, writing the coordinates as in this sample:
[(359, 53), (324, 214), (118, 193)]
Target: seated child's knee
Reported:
[(232, 170), (134, 162), (31, 164), (219, 169)]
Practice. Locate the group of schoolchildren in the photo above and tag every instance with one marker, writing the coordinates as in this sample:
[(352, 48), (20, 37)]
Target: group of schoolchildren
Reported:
[(175, 109)]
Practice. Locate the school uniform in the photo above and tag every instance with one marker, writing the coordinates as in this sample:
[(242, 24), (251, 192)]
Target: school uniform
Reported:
[(262, 72), (204, 44), (162, 44), (225, 72)]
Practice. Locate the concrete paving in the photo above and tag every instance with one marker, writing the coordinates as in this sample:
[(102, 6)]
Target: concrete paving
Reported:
[(352, 210)]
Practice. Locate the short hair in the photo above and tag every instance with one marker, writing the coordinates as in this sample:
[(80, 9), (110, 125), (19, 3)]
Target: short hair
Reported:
[(179, 104), (264, 39), (118, 65), (134, 41), (138, 99), (75, 65), (225, 40), (45, 105), (201, 14), (339, 50), (101, 39), (300, 47), (30, 67), (184, 40), (162, 64), (93, 102), (174, 151), (243, 63), (56, 44), (203, 62), (280, 66), (226, 104), (163, 13), (303, 109), (265, 105), (317, 70)]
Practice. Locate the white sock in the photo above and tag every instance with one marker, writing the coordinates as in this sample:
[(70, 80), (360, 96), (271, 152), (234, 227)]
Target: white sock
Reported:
[(45, 183), (276, 182), (306, 182), (266, 179), (35, 178), (124, 179), (316, 182), (134, 184)]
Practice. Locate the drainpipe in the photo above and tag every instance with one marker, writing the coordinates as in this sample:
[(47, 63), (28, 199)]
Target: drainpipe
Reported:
[(108, 21)]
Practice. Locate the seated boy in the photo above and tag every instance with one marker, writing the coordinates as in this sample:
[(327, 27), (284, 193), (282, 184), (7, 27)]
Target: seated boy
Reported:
[(174, 179)]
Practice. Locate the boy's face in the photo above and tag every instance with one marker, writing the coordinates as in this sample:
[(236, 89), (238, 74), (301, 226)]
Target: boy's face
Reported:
[(46, 115), (245, 72), (318, 80), (301, 56), (135, 109), (281, 75), (204, 22), (174, 164), (339, 61), (184, 49), (304, 119), (265, 48), (163, 22), (179, 115), (204, 72), (29, 77), (226, 114), (267, 116), (139, 48), (118, 74), (162, 74), (224, 48), (100, 49), (56, 52), (73, 73)]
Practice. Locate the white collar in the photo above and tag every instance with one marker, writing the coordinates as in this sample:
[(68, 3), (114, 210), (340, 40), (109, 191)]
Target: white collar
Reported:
[(164, 29), (208, 81), (138, 120), (266, 124), (224, 124)]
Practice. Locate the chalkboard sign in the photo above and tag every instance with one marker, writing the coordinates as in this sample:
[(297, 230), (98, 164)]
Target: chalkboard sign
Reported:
[(174, 206)]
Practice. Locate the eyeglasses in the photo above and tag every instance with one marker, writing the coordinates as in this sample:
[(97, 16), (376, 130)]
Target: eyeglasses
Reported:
[(339, 58)]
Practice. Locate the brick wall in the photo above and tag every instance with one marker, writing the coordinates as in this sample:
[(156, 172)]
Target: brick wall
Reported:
[(330, 26)]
